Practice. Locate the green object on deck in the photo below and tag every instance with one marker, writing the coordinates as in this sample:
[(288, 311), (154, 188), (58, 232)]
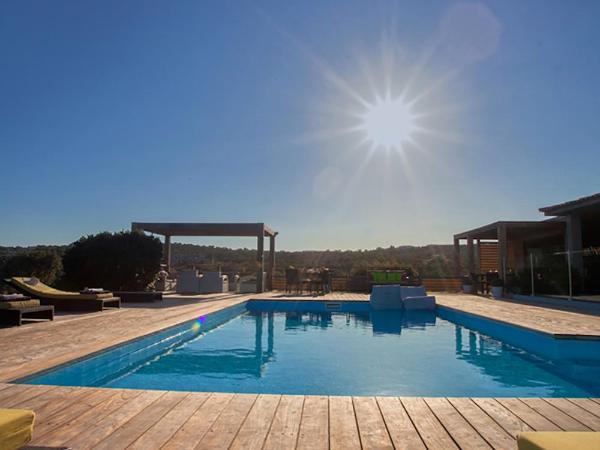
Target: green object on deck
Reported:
[(379, 277), (386, 277)]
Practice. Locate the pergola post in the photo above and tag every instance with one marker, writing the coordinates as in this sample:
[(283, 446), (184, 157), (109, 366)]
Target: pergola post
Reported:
[(167, 252), (501, 230), (457, 265), (271, 266), (260, 256), (470, 255)]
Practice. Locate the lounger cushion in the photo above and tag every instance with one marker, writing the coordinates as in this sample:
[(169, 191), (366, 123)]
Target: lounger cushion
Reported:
[(559, 440), (16, 428), (13, 297), (19, 304), (45, 291)]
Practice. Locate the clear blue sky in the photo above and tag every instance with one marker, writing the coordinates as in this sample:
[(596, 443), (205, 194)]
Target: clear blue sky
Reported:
[(112, 112)]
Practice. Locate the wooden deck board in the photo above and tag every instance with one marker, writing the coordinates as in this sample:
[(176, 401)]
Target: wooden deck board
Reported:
[(403, 433), (18, 394), (576, 412), (511, 423), (371, 426), (461, 431), (286, 423), (85, 401), (528, 415), (587, 404), (224, 430), (430, 429), (554, 414), (314, 424), (90, 436), (69, 429), (86, 418), (130, 431), (160, 433), (254, 431), (343, 430), (199, 423), (494, 434)]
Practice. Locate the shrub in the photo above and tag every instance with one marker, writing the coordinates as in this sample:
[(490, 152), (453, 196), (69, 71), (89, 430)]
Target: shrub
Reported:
[(45, 265), (119, 261)]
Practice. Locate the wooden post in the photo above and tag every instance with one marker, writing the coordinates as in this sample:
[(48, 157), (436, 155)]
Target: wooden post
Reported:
[(167, 253), (478, 255), (501, 233), (470, 255), (271, 267), (457, 264), (260, 255)]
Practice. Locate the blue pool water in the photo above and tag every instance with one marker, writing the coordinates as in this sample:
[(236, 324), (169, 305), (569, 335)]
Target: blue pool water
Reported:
[(306, 348)]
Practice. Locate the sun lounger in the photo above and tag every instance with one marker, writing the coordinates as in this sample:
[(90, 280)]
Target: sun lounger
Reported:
[(16, 311), (63, 300), (16, 428)]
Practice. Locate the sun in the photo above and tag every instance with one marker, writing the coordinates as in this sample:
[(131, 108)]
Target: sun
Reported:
[(388, 122)]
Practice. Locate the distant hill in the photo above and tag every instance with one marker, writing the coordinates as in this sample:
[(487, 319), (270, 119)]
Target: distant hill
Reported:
[(429, 260)]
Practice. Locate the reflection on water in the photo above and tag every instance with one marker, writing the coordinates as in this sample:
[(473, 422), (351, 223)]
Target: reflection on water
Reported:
[(381, 322), (336, 353)]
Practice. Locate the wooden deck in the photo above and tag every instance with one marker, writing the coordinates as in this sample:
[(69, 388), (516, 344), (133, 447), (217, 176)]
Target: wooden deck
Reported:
[(560, 324), (39, 346), (112, 419), (116, 418)]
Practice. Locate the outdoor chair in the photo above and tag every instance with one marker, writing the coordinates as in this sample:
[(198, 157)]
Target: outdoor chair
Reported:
[(292, 280)]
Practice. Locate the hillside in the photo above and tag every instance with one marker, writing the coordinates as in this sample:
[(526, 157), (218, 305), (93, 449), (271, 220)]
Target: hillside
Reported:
[(429, 261)]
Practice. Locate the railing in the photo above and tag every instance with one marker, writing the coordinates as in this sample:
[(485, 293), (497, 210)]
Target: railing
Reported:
[(568, 274), (350, 284)]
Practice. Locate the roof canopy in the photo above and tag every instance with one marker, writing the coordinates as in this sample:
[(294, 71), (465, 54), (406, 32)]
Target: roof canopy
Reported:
[(205, 229), (490, 231), (572, 206)]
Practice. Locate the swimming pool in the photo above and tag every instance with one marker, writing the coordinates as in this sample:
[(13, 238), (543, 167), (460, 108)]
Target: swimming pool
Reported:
[(343, 348)]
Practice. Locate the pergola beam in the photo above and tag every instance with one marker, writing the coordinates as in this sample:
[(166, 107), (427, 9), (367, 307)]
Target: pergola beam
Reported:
[(258, 230), (203, 229)]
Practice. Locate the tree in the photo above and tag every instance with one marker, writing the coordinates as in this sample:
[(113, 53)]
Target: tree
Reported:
[(437, 266), (115, 261), (45, 265)]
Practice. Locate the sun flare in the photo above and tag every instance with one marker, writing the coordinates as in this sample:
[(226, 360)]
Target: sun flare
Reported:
[(388, 122)]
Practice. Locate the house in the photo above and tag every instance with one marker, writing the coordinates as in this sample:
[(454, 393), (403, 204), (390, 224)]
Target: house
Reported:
[(569, 237)]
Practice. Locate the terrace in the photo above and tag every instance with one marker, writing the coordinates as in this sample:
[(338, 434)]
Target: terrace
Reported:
[(82, 417)]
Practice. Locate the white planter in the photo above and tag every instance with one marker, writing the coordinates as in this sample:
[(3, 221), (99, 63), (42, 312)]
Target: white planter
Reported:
[(497, 291), (468, 288)]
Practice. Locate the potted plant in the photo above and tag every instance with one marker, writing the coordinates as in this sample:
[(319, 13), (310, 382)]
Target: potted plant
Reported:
[(497, 287), (467, 285)]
